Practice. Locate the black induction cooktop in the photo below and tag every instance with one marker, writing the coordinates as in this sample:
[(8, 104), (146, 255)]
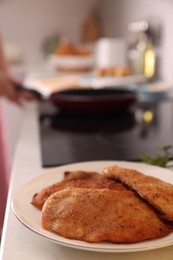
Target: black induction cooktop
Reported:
[(69, 138)]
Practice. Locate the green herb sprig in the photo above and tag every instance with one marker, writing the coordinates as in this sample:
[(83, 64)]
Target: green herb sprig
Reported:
[(161, 158)]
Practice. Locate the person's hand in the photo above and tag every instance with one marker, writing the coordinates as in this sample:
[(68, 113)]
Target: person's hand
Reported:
[(8, 89)]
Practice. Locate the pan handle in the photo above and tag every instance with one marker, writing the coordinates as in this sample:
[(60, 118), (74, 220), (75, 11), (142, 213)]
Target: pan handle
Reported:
[(19, 87)]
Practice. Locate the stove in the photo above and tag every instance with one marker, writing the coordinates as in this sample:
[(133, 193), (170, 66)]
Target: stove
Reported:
[(70, 138)]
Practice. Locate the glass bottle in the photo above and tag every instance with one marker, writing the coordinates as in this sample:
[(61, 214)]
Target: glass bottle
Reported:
[(149, 58)]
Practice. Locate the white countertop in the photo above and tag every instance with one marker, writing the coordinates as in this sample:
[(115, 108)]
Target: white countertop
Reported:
[(20, 243)]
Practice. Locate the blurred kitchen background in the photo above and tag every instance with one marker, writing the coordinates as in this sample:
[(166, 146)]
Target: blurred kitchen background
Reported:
[(30, 28)]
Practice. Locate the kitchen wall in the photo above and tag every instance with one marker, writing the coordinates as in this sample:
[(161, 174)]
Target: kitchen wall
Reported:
[(27, 23), (116, 15)]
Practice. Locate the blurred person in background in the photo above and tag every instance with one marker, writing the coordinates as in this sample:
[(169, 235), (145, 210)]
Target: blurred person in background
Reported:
[(8, 90), (8, 84)]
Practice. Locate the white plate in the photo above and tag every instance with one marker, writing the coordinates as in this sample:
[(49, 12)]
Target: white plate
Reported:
[(30, 216), (102, 82), (155, 91), (71, 61), (53, 82)]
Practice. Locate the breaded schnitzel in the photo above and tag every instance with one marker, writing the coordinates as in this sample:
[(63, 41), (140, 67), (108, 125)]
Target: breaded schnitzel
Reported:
[(95, 215), (156, 192), (69, 175), (78, 179)]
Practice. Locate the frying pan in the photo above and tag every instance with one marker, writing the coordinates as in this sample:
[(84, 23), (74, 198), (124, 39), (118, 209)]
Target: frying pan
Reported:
[(89, 100)]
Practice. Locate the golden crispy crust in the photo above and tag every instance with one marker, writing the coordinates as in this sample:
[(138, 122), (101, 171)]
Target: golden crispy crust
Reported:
[(95, 215), (156, 192), (78, 179), (68, 175)]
